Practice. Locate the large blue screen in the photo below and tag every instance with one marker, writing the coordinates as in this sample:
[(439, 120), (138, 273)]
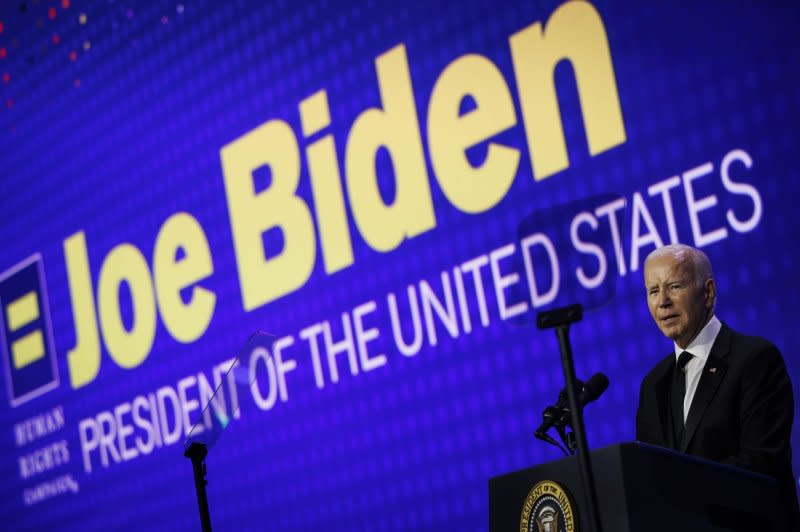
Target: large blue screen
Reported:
[(392, 190)]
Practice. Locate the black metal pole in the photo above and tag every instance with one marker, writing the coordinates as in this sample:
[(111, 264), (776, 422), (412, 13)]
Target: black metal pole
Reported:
[(560, 320), (197, 452), (576, 413)]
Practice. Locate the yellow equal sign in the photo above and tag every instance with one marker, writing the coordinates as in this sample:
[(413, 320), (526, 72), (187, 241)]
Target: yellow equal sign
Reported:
[(19, 313)]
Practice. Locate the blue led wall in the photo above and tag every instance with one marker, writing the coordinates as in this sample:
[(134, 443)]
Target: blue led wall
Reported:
[(366, 182)]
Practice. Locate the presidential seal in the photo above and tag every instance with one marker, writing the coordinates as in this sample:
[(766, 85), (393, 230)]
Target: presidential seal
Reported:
[(548, 508)]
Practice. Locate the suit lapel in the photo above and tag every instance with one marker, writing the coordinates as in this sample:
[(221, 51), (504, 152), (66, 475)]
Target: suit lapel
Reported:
[(662, 387), (713, 373)]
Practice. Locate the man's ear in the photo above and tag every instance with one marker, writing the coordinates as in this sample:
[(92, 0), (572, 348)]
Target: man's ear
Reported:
[(710, 293)]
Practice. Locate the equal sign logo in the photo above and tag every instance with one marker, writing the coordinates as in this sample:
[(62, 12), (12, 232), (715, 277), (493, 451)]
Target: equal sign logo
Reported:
[(27, 337)]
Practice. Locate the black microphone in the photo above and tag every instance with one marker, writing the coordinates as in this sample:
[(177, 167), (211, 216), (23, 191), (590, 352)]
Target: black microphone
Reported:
[(559, 415), (552, 414), (592, 389)]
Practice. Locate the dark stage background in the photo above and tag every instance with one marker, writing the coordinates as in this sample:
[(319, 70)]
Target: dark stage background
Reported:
[(373, 184)]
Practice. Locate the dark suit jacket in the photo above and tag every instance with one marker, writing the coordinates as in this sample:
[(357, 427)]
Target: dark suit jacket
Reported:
[(741, 413)]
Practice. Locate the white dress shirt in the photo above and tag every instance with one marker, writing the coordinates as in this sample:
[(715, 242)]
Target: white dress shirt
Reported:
[(700, 347)]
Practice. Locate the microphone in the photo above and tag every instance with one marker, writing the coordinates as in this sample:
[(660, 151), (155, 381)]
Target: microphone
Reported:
[(591, 391), (559, 415), (594, 388), (552, 414)]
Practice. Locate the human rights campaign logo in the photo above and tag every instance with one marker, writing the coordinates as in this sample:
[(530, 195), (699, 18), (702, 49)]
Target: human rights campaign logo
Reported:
[(26, 334)]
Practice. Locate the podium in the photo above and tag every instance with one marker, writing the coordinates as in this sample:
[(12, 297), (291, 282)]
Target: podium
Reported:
[(640, 488)]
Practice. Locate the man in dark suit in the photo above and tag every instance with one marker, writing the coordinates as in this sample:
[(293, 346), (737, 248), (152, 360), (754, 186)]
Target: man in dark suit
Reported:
[(720, 395)]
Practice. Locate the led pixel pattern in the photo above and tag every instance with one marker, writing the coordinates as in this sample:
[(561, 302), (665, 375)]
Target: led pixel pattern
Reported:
[(113, 116)]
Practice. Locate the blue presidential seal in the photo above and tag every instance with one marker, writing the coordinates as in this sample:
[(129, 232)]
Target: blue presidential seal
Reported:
[(548, 508)]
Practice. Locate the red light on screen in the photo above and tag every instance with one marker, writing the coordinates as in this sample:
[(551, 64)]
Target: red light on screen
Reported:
[(6, 77), (56, 39), (51, 13), (65, 4), (73, 55), (3, 52)]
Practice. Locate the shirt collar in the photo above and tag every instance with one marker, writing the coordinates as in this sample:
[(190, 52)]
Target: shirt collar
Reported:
[(701, 345)]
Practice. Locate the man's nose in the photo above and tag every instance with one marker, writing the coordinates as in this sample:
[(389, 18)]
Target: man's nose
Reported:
[(663, 299)]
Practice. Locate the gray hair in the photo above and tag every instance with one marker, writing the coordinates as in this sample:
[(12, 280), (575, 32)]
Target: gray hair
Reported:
[(702, 266)]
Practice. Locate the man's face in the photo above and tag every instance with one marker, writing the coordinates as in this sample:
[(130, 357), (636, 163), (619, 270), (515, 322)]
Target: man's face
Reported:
[(678, 302)]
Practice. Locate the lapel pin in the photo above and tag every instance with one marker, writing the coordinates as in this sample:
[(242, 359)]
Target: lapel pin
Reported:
[(712, 370)]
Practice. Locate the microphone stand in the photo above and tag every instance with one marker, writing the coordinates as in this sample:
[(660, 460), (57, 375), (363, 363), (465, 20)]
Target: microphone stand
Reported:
[(560, 319), (197, 453)]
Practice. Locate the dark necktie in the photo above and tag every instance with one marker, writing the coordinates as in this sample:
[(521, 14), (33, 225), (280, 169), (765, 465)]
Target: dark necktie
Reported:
[(678, 394)]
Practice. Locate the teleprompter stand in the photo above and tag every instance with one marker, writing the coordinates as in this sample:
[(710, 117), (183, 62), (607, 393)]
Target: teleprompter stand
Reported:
[(560, 319), (197, 452), (217, 414)]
